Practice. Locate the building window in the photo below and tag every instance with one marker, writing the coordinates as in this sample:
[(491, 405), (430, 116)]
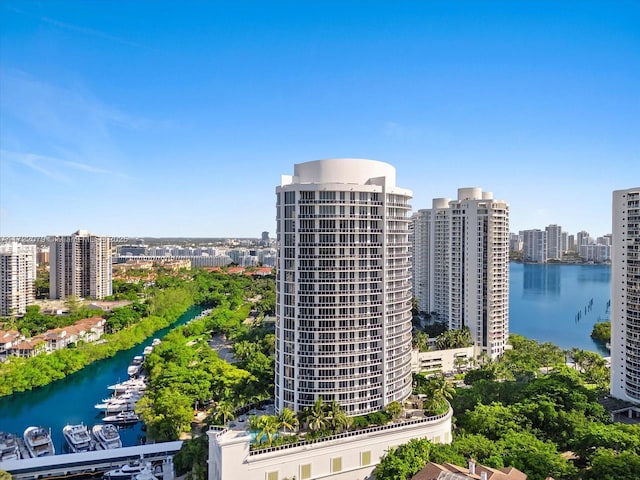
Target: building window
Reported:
[(365, 458), (271, 476), (336, 464), (305, 471)]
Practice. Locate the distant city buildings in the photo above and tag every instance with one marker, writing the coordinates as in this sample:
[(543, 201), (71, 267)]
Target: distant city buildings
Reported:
[(555, 245), (625, 295), (461, 250), (198, 256), (17, 277), (80, 266)]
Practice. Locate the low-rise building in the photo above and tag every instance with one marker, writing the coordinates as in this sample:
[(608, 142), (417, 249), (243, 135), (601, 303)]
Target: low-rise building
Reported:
[(443, 361), (346, 456)]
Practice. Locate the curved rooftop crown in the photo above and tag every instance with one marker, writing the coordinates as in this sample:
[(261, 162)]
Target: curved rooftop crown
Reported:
[(341, 170)]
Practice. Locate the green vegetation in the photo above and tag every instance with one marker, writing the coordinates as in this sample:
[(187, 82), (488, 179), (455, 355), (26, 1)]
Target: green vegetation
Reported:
[(445, 339), (20, 374), (34, 322), (130, 325), (524, 411), (602, 332), (186, 372)]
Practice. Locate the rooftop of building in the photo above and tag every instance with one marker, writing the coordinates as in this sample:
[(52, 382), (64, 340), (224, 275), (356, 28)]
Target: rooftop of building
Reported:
[(474, 471)]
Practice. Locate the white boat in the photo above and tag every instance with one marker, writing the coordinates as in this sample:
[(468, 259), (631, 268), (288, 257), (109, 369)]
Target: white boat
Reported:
[(9, 449), (122, 418), (156, 342), (137, 384), (147, 350), (38, 442), (136, 365), (106, 436), (117, 406), (131, 471), (77, 438)]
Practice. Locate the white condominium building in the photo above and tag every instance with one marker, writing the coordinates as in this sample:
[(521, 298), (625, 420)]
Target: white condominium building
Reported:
[(343, 288), (17, 276), (80, 266), (462, 256), (625, 295), (554, 242), (534, 246)]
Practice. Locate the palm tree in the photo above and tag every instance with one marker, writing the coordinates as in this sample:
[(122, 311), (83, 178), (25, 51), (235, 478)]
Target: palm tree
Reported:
[(254, 423), (316, 416), (394, 409), (337, 418), (224, 412), (288, 420), (268, 428), (440, 388)]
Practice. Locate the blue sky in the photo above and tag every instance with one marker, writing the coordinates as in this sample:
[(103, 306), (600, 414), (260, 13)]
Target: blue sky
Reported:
[(177, 118)]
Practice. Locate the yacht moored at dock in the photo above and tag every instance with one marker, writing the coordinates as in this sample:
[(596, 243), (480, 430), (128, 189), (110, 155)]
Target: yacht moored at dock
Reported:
[(136, 365), (106, 436), (38, 442), (77, 438), (9, 448), (122, 418)]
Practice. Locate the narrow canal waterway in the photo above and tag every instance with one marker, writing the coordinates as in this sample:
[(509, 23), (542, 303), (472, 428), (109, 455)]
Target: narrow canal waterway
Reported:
[(72, 399)]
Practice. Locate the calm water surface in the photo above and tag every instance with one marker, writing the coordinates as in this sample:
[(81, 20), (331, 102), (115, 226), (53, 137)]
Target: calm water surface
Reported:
[(544, 301), (72, 399)]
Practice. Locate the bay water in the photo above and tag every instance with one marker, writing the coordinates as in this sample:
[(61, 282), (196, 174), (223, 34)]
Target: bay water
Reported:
[(559, 303)]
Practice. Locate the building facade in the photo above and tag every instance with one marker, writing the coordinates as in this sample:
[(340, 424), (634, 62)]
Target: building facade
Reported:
[(625, 295), (346, 456), (464, 252), (343, 287), (554, 242), (17, 277), (534, 246), (80, 266)]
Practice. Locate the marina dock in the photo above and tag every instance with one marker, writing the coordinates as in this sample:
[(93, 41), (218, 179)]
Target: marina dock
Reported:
[(93, 463)]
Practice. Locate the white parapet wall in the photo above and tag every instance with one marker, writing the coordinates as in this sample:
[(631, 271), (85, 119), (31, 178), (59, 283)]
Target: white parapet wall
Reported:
[(348, 456)]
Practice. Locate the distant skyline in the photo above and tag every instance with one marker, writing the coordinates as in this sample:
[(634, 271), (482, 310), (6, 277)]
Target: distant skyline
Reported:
[(176, 119)]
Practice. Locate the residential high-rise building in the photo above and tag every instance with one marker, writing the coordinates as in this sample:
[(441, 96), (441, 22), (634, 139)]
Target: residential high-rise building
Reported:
[(554, 242), (534, 246), (462, 254), (17, 276), (571, 243), (80, 266), (343, 291), (583, 238), (625, 295), (564, 242)]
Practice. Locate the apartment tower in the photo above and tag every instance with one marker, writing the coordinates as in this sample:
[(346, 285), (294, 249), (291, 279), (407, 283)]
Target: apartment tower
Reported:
[(17, 277), (625, 295), (80, 266), (534, 246), (554, 242), (462, 254), (343, 287)]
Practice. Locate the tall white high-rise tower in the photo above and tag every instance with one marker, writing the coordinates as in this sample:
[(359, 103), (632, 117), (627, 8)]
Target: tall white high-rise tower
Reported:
[(80, 266), (17, 277), (625, 295), (343, 287), (462, 265)]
